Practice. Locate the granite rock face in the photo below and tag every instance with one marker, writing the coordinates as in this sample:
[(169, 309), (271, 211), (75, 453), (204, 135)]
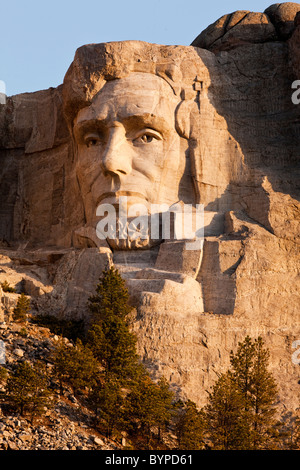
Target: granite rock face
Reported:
[(212, 124)]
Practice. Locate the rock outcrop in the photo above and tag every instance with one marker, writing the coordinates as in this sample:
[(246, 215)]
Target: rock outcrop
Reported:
[(238, 155), (277, 23)]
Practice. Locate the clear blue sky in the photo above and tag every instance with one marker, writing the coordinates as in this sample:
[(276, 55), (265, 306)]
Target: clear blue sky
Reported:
[(39, 39)]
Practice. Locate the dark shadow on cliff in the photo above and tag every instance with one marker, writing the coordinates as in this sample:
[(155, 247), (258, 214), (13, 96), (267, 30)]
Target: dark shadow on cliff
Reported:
[(218, 286), (251, 89)]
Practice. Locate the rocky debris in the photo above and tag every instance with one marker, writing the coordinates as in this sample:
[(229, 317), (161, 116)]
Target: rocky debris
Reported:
[(58, 434), (65, 426)]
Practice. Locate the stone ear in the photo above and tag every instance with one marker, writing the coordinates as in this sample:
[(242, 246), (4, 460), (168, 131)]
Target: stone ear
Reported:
[(183, 117)]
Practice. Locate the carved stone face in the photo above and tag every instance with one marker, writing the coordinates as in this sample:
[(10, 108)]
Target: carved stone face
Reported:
[(128, 144)]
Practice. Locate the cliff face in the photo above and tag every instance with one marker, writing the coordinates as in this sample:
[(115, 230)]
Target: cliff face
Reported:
[(241, 133)]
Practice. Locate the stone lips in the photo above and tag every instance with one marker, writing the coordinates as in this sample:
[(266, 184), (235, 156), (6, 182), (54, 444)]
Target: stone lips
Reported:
[(240, 134)]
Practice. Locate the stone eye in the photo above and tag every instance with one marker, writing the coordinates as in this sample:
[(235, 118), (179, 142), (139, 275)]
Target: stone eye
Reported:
[(91, 143), (148, 137), (91, 140)]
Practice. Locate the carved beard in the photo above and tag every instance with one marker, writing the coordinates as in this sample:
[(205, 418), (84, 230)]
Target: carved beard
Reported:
[(128, 244), (132, 240)]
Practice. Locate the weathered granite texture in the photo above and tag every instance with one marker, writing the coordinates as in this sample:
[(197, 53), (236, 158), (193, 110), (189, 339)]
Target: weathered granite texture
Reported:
[(212, 123)]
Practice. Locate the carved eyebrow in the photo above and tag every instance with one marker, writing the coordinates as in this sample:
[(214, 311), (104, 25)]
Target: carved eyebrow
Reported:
[(88, 125), (147, 120)]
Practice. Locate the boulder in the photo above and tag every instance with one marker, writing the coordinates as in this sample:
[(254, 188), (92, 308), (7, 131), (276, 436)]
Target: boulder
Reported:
[(283, 17)]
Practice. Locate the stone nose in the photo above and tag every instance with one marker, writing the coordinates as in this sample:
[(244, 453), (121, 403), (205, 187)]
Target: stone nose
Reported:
[(117, 156)]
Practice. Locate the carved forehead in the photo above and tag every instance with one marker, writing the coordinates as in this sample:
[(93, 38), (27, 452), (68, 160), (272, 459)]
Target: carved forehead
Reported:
[(95, 65), (137, 94), (138, 83)]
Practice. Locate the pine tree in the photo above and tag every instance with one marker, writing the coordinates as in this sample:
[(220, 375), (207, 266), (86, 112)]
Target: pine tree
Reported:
[(111, 298), (107, 400), (263, 398), (42, 396), (190, 427), (62, 364), (148, 405), (22, 308), (141, 407), (225, 414), (75, 365), (241, 409), (124, 395), (164, 405), (110, 337), (250, 372), (295, 438), (27, 388), (7, 288), (242, 367)]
